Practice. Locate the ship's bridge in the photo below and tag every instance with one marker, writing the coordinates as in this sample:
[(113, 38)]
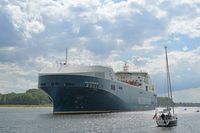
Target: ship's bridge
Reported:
[(94, 71), (140, 79), (125, 76)]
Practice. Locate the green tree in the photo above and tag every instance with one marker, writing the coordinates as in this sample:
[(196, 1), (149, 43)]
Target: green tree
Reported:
[(30, 97)]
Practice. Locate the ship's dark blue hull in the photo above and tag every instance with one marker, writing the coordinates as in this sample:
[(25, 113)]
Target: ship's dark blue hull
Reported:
[(84, 94), (85, 99)]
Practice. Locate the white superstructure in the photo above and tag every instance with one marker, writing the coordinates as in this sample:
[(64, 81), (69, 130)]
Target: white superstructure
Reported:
[(93, 71), (137, 79)]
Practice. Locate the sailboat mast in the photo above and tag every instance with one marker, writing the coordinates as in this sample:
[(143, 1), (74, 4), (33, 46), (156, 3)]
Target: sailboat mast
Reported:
[(169, 80), (168, 93)]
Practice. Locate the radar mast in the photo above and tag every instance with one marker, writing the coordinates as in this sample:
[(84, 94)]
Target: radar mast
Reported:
[(125, 67), (65, 63)]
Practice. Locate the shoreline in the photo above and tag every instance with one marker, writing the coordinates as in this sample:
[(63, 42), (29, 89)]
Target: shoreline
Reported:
[(18, 105)]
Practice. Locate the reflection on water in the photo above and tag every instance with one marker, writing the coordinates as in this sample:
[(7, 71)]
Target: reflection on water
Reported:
[(31, 120)]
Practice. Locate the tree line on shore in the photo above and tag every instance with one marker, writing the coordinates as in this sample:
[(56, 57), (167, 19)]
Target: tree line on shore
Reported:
[(164, 101), (30, 97), (39, 97)]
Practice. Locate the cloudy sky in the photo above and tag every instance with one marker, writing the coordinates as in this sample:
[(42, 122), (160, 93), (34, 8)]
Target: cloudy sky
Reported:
[(35, 33)]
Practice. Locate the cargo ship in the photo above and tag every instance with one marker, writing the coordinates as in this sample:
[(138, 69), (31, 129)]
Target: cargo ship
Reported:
[(95, 89)]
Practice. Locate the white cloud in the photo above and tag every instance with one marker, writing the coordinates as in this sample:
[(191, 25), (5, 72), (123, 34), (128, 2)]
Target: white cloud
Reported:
[(19, 85), (185, 26), (184, 68), (102, 33), (189, 57), (81, 57), (34, 26), (185, 48), (158, 12), (24, 21), (14, 78), (187, 95), (75, 28), (139, 2), (78, 56), (147, 44), (189, 2), (7, 49), (13, 69)]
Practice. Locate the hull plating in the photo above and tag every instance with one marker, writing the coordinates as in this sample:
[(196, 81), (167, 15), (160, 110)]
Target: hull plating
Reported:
[(71, 94)]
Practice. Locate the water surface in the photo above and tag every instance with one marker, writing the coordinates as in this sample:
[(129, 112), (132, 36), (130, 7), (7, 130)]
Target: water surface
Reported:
[(41, 120)]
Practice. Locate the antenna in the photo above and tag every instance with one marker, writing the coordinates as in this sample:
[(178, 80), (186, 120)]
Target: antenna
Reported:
[(125, 67), (65, 63)]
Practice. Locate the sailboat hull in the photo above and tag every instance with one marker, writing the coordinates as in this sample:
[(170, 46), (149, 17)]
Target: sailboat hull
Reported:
[(170, 123)]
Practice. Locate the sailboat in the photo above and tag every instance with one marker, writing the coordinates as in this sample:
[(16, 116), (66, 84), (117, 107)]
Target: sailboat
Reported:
[(167, 117)]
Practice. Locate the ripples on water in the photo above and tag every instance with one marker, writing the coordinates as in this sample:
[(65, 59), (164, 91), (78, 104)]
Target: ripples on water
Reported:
[(41, 120)]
